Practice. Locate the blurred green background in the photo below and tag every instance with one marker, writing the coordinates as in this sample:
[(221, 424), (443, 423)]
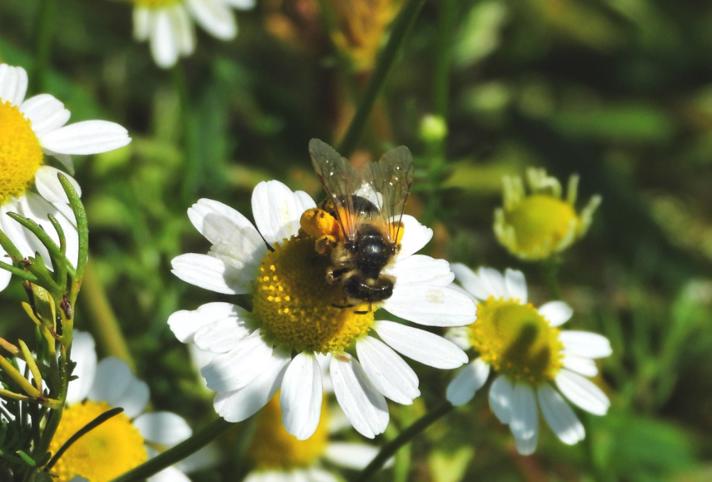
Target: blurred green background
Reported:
[(619, 91)]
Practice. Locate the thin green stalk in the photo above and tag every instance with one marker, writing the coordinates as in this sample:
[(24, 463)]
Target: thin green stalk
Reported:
[(405, 437), (177, 453), (402, 25), (45, 23), (102, 317)]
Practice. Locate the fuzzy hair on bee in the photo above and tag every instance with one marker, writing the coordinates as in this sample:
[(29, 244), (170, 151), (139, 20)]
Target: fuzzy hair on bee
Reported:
[(359, 225)]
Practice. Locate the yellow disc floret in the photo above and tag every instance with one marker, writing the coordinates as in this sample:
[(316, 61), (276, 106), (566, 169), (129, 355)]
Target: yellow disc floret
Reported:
[(102, 454), (298, 308), (20, 152), (273, 447), (540, 223), (515, 339)]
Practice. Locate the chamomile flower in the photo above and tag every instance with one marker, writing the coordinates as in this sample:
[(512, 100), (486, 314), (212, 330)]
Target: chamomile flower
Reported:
[(296, 316), (29, 129), (278, 456), (125, 440), (541, 223), (536, 363), (168, 24)]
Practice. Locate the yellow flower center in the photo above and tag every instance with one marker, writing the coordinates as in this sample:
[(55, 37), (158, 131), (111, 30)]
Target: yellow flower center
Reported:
[(104, 453), (298, 308), (515, 339), (20, 152), (273, 447), (541, 223), (156, 3)]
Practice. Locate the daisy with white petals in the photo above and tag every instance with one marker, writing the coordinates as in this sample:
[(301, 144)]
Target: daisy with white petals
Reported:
[(537, 364), (124, 441), (276, 456), (29, 129), (168, 24), (296, 315)]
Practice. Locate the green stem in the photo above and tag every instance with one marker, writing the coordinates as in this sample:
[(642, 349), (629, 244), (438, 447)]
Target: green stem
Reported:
[(551, 272), (45, 22), (389, 449), (177, 453), (401, 27), (102, 317)]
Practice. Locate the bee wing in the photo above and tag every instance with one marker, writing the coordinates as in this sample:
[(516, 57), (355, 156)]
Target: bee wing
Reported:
[(339, 180), (391, 178)]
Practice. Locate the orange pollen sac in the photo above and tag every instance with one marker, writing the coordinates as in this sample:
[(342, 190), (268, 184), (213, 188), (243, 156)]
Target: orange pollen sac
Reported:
[(322, 227)]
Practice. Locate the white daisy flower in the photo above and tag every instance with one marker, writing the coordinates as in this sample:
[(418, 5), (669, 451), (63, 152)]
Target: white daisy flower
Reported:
[(168, 24), (124, 441), (535, 362), (29, 129), (296, 316), (276, 456)]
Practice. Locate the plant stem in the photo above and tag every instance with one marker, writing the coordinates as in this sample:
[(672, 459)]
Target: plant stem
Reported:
[(447, 19), (389, 449), (401, 27), (177, 453), (103, 318), (45, 22)]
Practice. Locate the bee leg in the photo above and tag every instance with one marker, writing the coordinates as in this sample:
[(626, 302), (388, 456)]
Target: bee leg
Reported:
[(341, 307)]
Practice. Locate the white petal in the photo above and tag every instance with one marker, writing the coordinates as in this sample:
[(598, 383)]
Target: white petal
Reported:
[(365, 408), (164, 39), (387, 371), (13, 84), (524, 421), (84, 355), (585, 344), (354, 456), (582, 392), (135, 398), (580, 365), (526, 445), (49, 187), (86, 137), (415, 236), (169, 474), (207, 272), (515, 284), (556, 312), (467, 381), (186, 324), (277, 211), (164, 428), (301, 396), (501, 396), (222, 335), (183, 31), (316, 474), (561, 418), (459, 335), (239, 405), (420, 345), (219, 222), (431, 305), (45, 112), (116, 385), (112, 378), (142, 23), (471, 281), (241, 4), (421, 269), (215, 17), (494, 281), (237, 368)]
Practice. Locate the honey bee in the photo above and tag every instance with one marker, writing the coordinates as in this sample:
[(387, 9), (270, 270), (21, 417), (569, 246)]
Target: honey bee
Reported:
[(359, 223)]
